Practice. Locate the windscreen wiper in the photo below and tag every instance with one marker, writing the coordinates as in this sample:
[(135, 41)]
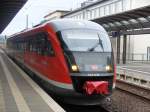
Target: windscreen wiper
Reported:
[(99, 43)]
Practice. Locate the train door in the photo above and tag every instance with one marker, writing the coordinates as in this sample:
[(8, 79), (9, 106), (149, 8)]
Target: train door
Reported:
[(44, 55), (32, 52), (41, 61), (28, 51), (49, 58)]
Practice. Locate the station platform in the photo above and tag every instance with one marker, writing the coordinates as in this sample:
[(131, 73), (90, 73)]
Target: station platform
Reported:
[(143, 67), (18, 93), (135, 73)]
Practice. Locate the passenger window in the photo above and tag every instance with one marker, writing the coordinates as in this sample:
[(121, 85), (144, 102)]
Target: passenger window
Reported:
[(50, 51), (40, 44), (30, 45), (43, 44), (34, 44), (47, 47)]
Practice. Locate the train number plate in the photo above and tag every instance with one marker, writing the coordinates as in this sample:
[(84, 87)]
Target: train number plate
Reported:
[(94, 74)]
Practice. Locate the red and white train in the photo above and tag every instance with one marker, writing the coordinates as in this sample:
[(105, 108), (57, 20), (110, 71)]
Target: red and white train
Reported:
[(73, 58)]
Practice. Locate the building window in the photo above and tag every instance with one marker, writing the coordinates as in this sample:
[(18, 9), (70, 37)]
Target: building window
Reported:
[(119, 7), (107, 10), (82, 15), (79, 16), (102, 11), (75, 16), (88, 15), (97, 13), (93, 13), (112, 8)]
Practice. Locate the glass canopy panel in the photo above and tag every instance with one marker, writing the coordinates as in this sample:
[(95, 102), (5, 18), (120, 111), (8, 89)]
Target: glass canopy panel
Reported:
[(142, 19), (111, 24), (125, 22), (133, 20), (118, 23), (106, 26)]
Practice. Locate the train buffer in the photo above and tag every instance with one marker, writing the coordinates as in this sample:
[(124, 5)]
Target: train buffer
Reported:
[(18, 93)]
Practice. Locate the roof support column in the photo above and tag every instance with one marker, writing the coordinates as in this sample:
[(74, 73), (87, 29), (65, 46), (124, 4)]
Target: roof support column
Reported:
[(118, 49), (124, 48)]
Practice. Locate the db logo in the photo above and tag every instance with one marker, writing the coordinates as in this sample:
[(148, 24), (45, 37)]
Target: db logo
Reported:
[(94, 67)]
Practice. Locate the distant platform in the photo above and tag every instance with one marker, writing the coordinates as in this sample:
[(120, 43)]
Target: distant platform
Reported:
[(143, 67), (135, 73)]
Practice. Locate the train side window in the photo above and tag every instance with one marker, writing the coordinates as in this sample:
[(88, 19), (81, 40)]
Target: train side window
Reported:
[(38, 44), (44, 46), (50, 51), (30, 44), (27, 44), (34, 44), (48, 48)]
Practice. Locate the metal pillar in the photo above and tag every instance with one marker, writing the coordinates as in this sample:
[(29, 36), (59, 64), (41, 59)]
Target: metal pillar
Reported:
[(118, 49), (124, 49), (27, 21)]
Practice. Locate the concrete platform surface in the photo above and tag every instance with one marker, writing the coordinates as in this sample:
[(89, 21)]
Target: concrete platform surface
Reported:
[(18, 93)]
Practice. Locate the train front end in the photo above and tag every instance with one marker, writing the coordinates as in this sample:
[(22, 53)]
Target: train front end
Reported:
[(89, 57)]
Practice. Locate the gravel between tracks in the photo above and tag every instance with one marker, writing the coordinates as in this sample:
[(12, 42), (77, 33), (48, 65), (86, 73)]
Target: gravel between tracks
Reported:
[(124, 101)]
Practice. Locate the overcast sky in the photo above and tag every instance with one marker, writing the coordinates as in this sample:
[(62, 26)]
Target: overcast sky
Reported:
[(36, 10)]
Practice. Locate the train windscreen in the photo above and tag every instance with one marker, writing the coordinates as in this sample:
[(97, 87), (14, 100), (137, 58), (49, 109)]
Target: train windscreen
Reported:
[(86, 40)]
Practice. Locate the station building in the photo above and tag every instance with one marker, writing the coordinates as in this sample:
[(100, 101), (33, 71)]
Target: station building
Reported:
[(137, 45), (55, 15)]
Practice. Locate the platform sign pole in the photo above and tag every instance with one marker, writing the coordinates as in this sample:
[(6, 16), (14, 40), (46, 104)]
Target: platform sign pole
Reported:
[(124, 48), (27, 21), (118, 49)]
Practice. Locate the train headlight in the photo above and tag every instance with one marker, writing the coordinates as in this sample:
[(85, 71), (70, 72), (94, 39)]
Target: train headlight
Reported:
[(108, 68), (74, 68)]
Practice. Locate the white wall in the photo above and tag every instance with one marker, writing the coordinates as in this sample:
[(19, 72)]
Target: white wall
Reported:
[(99, 10), (140, 42), (139, 3)]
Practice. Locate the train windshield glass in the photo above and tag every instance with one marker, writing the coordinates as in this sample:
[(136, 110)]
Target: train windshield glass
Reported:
[(86, 40)]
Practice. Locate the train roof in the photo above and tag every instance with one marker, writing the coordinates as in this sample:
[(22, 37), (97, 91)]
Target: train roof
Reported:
[(64, 24)]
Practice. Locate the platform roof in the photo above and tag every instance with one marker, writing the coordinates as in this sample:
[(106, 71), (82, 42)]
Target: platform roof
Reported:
[(136, 21), (8, 9)]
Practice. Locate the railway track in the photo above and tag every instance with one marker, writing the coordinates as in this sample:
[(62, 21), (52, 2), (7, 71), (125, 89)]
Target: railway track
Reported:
[(128, 98), (138, 91)]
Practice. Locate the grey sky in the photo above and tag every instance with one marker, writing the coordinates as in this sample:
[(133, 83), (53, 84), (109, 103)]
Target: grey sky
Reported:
[(36, 9)]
